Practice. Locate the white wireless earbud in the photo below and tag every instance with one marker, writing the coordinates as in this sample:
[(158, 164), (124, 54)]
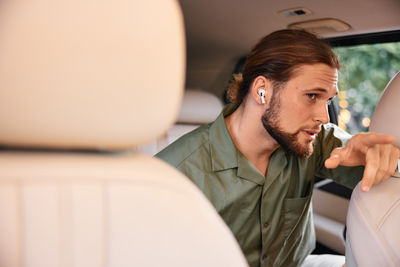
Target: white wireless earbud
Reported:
[(261, 93)]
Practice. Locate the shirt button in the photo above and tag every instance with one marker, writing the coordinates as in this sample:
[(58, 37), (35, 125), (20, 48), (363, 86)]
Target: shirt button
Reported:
[(266, 225), (264, 256)]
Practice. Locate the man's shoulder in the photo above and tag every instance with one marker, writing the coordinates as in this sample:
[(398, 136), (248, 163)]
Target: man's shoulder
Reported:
[(186, 146), (337, 135)]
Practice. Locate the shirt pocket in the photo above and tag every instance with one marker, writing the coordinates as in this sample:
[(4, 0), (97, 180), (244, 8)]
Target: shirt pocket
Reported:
[(299, 236), (294, 210)]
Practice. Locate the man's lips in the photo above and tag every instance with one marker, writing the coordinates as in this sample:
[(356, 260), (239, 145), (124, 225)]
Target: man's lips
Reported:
[(310, 134)]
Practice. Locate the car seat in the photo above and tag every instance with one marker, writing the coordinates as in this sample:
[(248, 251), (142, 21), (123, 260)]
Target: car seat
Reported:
[(373, 217), (81, 84), (198, 107)]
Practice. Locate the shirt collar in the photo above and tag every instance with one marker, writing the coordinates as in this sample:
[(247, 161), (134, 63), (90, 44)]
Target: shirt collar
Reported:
[(223, 151), (225, 155)]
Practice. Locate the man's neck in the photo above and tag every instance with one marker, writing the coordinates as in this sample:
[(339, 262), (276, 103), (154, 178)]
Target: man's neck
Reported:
[(249, 136)]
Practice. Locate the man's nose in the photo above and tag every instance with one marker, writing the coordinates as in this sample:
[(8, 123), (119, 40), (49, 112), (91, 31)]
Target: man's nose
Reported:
[(321, 114)]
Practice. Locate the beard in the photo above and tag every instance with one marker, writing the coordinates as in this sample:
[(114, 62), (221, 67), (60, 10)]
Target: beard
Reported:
[(289, 141)]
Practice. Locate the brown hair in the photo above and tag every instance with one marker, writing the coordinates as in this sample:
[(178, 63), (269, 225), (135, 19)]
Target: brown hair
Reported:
[(277, 56)]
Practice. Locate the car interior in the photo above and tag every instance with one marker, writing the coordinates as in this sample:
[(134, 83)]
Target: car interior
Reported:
[(221, 33), (86, 103)]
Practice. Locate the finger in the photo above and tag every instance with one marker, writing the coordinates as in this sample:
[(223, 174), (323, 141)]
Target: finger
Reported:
[(334, 159), (371, 139), (384, 161), (387, 163), (370, 171), (394, 160)]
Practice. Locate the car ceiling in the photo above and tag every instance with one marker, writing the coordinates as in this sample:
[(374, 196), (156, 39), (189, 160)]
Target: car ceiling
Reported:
[(219, 32)]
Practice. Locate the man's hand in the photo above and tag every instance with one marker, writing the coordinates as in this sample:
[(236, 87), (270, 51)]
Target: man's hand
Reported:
[(374, 151)]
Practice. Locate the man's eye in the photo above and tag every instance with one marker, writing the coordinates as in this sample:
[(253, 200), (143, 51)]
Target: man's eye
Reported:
[(311, 96)]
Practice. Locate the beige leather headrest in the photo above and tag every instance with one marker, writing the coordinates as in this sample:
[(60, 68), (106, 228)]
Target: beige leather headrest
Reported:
[(385, 117), (199, 107), (89, 74)]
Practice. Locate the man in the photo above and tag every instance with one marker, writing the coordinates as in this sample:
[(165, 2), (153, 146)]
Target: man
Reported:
[(257, 162)]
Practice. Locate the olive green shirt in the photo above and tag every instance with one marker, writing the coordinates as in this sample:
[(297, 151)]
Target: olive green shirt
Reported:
[(270, 216)]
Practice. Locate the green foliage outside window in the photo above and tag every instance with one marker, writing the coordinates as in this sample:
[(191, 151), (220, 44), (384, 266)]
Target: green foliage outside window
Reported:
[(366, 69)]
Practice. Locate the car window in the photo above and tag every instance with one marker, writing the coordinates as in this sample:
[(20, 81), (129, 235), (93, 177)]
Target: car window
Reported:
[(366, 69)]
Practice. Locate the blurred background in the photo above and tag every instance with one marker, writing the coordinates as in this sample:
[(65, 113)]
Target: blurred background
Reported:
[(366, 69)]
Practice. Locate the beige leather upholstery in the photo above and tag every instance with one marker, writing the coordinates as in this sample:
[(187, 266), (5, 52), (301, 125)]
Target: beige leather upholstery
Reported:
[(198, 107), (384, 119), (81, 82), (373, 218), (373, 225), (95, 66)]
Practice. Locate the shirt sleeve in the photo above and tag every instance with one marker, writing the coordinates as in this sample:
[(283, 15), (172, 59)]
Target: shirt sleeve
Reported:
[(330, 138)]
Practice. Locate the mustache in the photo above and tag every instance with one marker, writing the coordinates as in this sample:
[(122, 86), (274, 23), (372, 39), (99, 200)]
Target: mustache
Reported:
[(316, 128)]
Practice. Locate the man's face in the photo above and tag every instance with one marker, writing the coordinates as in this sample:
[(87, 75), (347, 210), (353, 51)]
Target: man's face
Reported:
[(296, 113)]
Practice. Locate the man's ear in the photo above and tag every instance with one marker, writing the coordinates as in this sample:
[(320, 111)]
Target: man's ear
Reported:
[(261, 90)]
